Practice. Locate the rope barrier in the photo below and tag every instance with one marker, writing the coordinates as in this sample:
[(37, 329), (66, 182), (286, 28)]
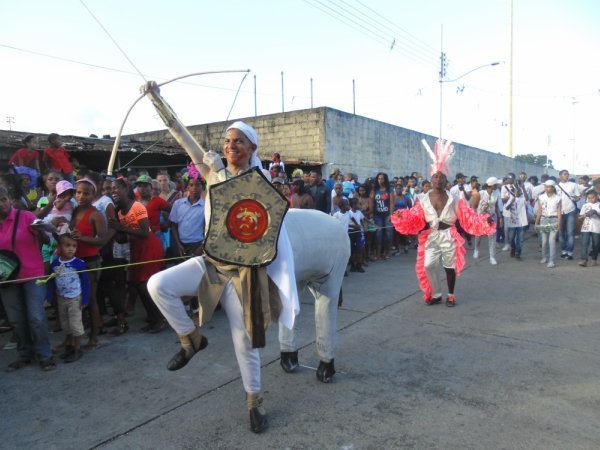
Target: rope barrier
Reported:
[(43, 279)]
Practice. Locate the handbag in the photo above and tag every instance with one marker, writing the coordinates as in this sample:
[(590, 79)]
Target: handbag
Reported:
[(9, 261)]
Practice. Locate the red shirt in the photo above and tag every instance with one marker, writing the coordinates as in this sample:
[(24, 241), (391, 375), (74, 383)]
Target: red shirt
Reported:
[(27, 158), (58, 159), (85, 228), (155, 205)]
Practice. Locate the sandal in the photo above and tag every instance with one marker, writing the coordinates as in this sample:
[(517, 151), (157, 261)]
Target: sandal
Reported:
[(119, 329), (18, 364), (47, 365)]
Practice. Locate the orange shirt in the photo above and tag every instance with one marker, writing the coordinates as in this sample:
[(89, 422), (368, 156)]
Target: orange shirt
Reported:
[(132, 219)]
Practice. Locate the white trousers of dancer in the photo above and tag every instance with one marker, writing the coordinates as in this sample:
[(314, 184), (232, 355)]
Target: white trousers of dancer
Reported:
[(491, 244), (166, 289), (439, 245)]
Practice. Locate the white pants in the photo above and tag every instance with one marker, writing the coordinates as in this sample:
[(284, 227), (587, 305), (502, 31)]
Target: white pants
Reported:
[(439, 245), (491, 244), (166, 289)]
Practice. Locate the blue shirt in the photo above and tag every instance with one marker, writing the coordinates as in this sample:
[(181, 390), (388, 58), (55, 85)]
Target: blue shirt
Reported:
[(189, 219), (67, 282)]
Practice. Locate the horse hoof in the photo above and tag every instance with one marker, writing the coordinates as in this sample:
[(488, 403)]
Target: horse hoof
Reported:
[(289, 361), (258, 419), (325, 371)]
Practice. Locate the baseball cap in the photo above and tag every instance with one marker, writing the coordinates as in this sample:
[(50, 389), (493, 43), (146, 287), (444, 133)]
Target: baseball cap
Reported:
[(143, 179), (63, 186), (474, 178), (277, 180), (460, 175), (492, 181)]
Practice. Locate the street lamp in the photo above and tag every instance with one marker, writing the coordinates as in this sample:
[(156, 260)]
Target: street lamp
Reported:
[(443, 66)]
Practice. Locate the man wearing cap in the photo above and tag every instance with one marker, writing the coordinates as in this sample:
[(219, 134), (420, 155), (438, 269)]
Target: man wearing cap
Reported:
[(487, 204), (167, 287), (569, 193), (547, 222)]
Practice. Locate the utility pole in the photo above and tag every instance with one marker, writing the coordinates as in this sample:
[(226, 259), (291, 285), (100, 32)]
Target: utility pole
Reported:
[(10, 120), (442, 74), (510, 83), (282, 96)]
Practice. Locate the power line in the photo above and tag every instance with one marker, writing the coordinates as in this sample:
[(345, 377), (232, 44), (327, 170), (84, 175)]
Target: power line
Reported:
[(410, 39), (343, 15), (112, 69), (378, 26)]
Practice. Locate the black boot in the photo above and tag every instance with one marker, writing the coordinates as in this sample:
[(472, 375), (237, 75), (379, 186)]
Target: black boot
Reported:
[(258, 415), (325, 371), (190, 345), (289, 361)]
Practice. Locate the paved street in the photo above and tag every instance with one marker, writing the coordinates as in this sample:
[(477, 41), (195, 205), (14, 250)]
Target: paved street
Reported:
[(515, 365)]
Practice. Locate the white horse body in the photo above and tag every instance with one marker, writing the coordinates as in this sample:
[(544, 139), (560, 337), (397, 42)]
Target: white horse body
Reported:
[(321, 249)]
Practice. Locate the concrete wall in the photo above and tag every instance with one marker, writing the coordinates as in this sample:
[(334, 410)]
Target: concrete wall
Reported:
[(331, 138), (366, 146)]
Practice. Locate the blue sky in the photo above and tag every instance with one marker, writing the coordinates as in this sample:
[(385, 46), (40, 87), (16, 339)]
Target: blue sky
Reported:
[(62, 73)]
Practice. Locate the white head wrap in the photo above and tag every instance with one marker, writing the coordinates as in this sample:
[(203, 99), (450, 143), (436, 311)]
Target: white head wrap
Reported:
[(250, 133)]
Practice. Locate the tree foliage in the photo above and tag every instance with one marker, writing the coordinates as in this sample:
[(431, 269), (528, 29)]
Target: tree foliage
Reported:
[(540, 160)]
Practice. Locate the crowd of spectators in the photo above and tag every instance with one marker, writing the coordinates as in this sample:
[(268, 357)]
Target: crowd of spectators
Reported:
[(132, 225)]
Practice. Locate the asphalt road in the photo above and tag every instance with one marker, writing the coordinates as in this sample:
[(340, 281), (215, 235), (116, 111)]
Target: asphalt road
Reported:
[(514, 366)]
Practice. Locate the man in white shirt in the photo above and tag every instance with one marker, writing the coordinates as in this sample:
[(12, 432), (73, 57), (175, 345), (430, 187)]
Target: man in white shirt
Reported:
[(570, 193)]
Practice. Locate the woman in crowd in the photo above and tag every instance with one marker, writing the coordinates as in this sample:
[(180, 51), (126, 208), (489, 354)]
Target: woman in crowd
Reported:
[(12, 183), (336, 195), (88, 228), (145, 248), (24, 299), (402, 200), (384, 201)]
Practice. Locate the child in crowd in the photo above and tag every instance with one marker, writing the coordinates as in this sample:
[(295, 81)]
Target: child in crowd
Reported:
[(71, 288), (348, 187), (62, 205), (343, 215), (57, 158), (590, 229), (357, 237)]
